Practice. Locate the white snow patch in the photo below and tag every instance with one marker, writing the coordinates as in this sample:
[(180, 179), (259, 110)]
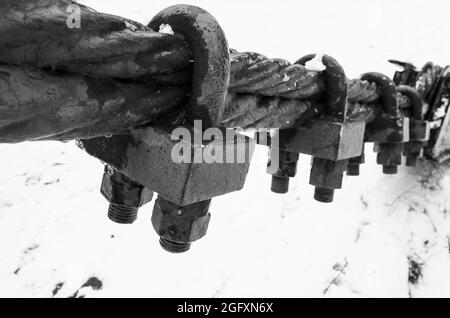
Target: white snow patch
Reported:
[(316, 64), (166, 28)]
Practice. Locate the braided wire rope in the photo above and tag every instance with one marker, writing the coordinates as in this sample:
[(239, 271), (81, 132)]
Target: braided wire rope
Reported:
[(115, 63)]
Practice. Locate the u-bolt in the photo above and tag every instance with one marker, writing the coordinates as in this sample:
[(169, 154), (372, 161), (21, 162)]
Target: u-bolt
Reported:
[(389, 154), (389, 92), (211, 69), (390, 108), (335, 102), (335, 97), (417, 126), (211, 73), (407, 76), (415, 100)]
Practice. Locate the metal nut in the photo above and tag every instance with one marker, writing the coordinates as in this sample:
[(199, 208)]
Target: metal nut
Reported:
[(183, 224), (326, 173), (287, 163), (121, 190), (287, 168), (389, 154), (144, 155)]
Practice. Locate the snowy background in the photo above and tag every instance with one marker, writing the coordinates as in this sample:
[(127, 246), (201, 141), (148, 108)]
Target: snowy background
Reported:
[(383, 236)]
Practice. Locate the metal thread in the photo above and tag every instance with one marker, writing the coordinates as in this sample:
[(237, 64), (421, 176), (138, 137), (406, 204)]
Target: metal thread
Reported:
[(174, 247), (390, 169), (323, 195), (122, 214), (280, 184)]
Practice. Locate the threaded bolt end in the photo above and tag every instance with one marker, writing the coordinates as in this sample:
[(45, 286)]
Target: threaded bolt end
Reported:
[(323, 195), (174, 247), (280, 184), (390, 169), (411, 161), (353, 170), (122, 214)]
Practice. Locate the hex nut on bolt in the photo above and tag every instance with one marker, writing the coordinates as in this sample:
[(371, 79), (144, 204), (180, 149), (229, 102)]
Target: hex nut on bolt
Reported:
[(145, 156), (179, 226), (326, 175), (354, 163), (124, 195), (389, 156), (287, 168), (412, 151)]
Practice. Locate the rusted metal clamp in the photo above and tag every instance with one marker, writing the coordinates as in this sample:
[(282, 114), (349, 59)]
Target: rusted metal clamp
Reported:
[(438, 115), (146, 155), (330, 138), (419, 129), (407, 76), (389, 130)]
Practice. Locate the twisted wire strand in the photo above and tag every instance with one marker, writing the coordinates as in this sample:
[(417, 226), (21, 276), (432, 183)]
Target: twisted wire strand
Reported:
[(114, 47), (263, 92)]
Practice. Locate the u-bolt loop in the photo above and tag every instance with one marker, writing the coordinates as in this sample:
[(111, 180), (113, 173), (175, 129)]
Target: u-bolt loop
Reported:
[(388, 89), (428, 66), (415, 99), (335, 98), (211, 69)]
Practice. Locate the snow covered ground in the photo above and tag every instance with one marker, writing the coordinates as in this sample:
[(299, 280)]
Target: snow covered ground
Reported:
[(383, 235)]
